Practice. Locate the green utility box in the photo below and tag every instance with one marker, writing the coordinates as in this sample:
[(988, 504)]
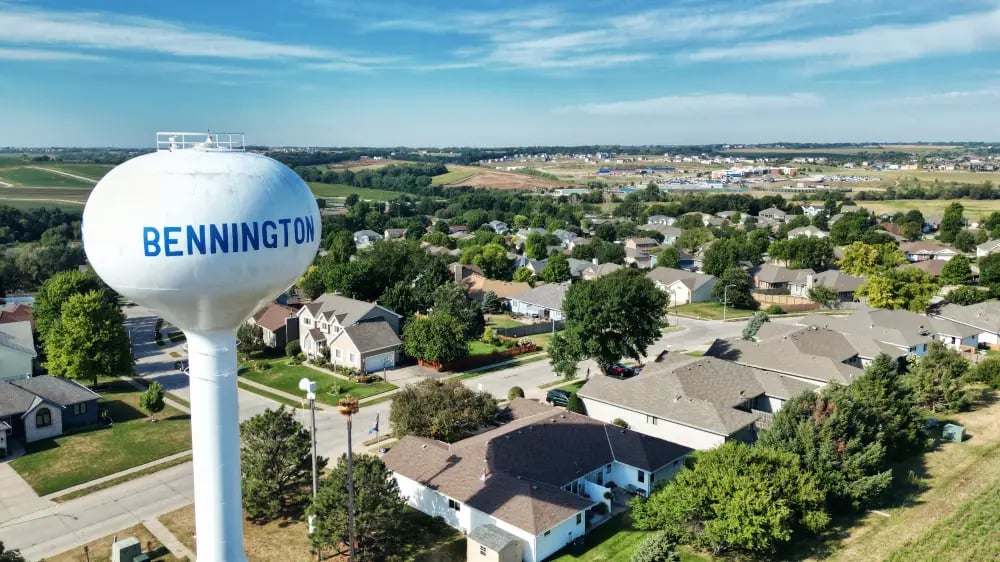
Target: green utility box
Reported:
[(953, 432)]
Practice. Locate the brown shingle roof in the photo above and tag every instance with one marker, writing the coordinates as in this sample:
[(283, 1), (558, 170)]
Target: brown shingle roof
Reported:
[(273, 316)]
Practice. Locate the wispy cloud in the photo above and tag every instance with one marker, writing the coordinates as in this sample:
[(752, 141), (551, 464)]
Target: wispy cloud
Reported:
[(876, 45), (694, 104), (961, 97), (94, 31), (45, 55)]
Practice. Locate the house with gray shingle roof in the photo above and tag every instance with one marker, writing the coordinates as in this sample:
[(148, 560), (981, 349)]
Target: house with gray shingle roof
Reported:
[(41, 407), (366, 346), (908, 332), (322, 320), (984, 318), (775, 279), (536, 478), (544, 301), (683, 286), (697, 402)]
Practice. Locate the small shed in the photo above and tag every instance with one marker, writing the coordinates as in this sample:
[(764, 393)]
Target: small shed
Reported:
[(489, 543), (953, 432)]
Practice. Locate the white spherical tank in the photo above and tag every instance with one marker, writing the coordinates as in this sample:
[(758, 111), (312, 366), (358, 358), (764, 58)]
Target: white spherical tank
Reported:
[(204, 235), (205, 238)]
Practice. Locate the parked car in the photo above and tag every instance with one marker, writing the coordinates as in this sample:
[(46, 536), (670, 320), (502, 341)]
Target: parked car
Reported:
[(181, 365), (557, 397), (621, 371)]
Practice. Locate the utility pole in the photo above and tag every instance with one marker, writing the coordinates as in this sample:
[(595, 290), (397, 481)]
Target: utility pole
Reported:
[(348, 406), (725, 300), (309, 387)]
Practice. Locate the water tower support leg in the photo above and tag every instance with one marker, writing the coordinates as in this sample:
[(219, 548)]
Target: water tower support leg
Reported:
[(215, 442)]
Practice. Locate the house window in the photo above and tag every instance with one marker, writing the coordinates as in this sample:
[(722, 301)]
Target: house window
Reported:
[(579, 517), (43, 418), (482, 550), (607, 469), (351, 358), (651, 420), (79, 409), (642, 476), (337, 352), (324, 326), (547, 533), (452, 504), (307, 321)]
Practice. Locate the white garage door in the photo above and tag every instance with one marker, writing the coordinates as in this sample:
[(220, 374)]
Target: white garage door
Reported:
[(376, 362)]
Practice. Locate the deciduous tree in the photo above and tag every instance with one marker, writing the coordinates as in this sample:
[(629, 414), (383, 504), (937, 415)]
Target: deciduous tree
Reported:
[(556, 270), (938, 379), (445, 410), (867, 259), (89, 340), (54, 293), (958, 271), (908, 288), (823, 295), (249, 339), (738, 294), (151, 399), (951, 222), (437, 338)]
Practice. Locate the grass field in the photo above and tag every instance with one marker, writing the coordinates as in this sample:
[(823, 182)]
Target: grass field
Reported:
[(710, 310), (329, 389), (55, 464), (287, 540), (911, 148), (614, 541), (502, 321), (93, 171), (25, 203), (35, 177), (974, 209), (337, 190), (453, 175), (100, 550)]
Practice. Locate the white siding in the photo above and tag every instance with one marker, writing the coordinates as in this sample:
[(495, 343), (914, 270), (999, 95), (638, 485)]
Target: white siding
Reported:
[(558, 537), (33, 433), (667, 430)]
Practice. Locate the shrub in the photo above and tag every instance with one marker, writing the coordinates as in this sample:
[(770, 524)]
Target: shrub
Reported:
[(3, 452), (774, 309), (300, 356), (294, 361), (601, 508), (489, 337), (987, 371), (658, 547), (261, 366), (574, 404), (515, 392), (293, 349), (620, 423)]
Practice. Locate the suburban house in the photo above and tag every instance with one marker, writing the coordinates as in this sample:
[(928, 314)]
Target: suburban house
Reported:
[(932, 222), (812, 210), (476, 284), (578, 241), (564, 236), (599, 270), (774, 279), (683, 286), (984, 318), (395, 233), (923, 250), (637, 251), (661, 219), (17, 350), (935, 268), (544, 302), (808, 232), (670, 233), (536, 478), (727, 215), (698, 402), (536, 266), (41, 407), (987, 248), (773, 214), (499, 227), (278, 323), (851, 209), (843, 284), (908, 332), (577, 267), (457, 229), (322, 321), (364, 238), (522, 235)]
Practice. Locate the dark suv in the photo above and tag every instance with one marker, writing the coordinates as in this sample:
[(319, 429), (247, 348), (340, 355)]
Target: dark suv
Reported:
[(557, 397)]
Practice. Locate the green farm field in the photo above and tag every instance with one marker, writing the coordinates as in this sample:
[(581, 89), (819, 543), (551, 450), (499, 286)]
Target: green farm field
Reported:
[(92, 171), (337, 190), (24, 176), (974, 209), (453, 175)]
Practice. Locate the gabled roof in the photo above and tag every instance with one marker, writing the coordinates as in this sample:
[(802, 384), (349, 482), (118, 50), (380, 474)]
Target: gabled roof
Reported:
[(370, 234), (548, 296), (987, 246), (577, 267), (492, 537), (933, 268), (774, 211), (642, 241), (17, 313), (698, 392), (64, 392), (369, 336), (600, 270), (347, 311), (18, 337), (14, 400), (770, 273), (900, 328), (838, 281), (273, 316), (807, 231), (515, 472), (925, 247), (668, 275), (984, 316)]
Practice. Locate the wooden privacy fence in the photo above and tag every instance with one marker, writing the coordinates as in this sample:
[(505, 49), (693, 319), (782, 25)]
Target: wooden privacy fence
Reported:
[(474, 361)]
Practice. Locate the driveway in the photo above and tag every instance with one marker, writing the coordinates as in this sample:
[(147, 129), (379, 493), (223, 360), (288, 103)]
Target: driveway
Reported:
[(16, 496)]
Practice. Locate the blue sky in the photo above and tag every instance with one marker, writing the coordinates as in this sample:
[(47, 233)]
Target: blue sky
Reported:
[(485, 73)]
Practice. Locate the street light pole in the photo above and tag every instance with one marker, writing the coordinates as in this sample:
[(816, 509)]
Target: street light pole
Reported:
[(725, 300), (310, 389), (348, 406)]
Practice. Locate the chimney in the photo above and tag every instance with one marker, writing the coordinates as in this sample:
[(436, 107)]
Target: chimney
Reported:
[(595, 261), (486, 470)]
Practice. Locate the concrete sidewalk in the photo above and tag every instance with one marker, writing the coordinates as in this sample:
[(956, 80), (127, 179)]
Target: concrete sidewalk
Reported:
[(163, 534), (16, 496)]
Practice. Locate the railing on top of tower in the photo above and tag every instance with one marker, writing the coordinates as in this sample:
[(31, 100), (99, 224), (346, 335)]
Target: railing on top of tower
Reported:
[(224, 142)]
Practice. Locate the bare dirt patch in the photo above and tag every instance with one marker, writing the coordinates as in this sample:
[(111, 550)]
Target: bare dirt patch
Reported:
[(506, 180)]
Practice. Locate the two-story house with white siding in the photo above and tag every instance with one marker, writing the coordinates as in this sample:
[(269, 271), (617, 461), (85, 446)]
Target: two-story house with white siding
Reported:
[(537, 478), (323, 321)]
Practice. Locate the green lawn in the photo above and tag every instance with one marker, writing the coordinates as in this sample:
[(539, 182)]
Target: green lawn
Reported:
[(614, 541), (710, 310), (341, 190), (477, 347), (55, 464), (32, 177), (451, 177), (502, 321), (93, 171), (329, 389)]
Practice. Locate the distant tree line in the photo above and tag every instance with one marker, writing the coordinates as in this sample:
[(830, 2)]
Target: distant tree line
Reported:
[(406, 178)]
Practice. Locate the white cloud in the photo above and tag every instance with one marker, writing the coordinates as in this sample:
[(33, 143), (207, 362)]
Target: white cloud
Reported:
[(962, 97), (694, 104), (44, 55), (872, 46), (109, 32)]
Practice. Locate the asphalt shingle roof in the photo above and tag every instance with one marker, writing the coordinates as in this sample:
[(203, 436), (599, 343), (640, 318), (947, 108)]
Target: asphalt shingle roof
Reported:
[(548, 296), (690, 279), (370, 336), (58, 390)]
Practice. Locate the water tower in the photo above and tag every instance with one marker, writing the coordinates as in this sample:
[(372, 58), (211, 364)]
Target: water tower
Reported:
[(204, 234)]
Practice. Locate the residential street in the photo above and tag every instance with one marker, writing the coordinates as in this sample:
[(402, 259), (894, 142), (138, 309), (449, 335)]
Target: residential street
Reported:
[(44, 529)]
